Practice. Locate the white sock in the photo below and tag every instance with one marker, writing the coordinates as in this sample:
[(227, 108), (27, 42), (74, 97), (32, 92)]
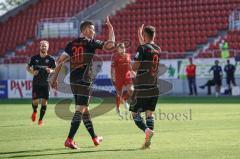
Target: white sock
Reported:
[(126, 105)]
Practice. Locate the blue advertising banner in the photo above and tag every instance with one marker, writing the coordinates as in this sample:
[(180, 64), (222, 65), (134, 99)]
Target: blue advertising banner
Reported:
[(3, 89)]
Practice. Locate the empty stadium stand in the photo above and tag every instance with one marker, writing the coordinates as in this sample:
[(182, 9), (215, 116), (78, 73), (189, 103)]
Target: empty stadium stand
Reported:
[(233, 40), (181, 24)]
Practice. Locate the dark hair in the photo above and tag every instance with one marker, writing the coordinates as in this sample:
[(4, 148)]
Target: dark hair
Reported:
[(122, 45), (150, 31), (85, 24)]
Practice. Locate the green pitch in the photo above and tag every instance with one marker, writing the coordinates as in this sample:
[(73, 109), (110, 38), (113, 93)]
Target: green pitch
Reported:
[(194, 128)]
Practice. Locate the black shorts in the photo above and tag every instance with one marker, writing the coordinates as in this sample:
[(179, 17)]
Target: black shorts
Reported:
[(143, 104), (40, 91), (231, 80), (81, 91)]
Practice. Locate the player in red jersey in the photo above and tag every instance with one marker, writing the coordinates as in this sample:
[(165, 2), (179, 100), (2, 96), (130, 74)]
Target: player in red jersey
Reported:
[(122, 74)]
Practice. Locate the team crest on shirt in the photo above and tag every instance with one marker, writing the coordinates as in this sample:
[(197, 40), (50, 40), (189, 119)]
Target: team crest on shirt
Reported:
[(47, 60), (37, 61)]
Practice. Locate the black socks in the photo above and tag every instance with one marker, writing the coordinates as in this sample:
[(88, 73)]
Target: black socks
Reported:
[(139, 122), (76, 120), (42, 111), (88, 124), (34, 108)]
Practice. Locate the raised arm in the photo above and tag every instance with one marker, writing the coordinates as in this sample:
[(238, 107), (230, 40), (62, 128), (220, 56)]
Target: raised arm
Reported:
[(111, 37), (140, 36)]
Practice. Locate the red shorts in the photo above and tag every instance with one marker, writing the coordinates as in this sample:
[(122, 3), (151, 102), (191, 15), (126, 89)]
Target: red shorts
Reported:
[(120, 83), (122, 80)]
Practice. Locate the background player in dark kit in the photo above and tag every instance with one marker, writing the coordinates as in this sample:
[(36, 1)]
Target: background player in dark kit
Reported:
[(217, 76), (40, 66), (230, 75)]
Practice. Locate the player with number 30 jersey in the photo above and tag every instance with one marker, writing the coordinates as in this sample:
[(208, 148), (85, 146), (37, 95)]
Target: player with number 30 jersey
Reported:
[(80, 52)]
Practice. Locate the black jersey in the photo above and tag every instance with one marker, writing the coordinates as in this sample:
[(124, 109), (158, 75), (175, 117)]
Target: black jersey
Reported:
[(81, 51), (229, 69), (148, 56), (41, 63), (217, 71)]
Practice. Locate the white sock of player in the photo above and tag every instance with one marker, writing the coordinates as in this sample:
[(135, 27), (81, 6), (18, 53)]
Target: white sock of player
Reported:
[(126, 108), (126, 105), (118, 111)]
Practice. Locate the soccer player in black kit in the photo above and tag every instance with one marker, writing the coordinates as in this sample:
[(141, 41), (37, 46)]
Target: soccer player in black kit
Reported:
[(80, 52), (217, 76), (41, 66), (146, 90), (230, 72)]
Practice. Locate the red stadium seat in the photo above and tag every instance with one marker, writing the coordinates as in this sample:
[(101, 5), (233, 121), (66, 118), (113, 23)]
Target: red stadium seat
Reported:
[(181, 24)]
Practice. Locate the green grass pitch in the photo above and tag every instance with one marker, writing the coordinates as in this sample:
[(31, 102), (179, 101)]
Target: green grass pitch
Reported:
[(211, 132)]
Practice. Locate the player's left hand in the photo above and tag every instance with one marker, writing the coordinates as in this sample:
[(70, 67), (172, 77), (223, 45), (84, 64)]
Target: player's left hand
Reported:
[(109, 23), (49, 70)]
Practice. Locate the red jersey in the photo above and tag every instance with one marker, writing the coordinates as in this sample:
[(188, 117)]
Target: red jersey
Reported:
[(121, 65), (191, 70)]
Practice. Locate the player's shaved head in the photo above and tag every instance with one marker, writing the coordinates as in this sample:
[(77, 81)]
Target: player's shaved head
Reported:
[(44, 46), (149, 31), (85, 24)]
